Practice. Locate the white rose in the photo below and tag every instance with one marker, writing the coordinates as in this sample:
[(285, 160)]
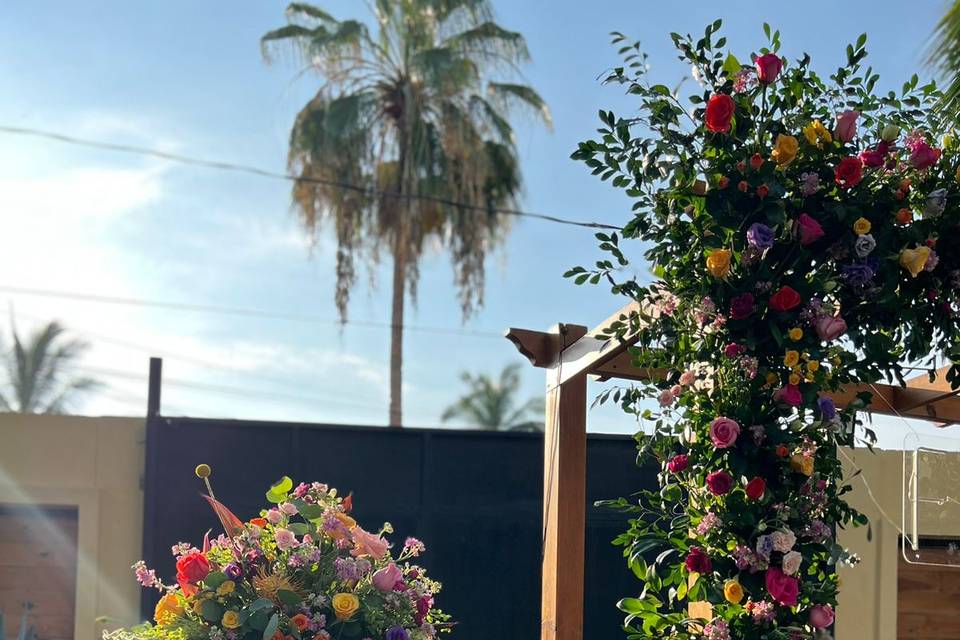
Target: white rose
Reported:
[(783, 541), (791, 562)]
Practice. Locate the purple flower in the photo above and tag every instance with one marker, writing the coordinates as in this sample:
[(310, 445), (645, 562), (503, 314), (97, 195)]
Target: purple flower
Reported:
[(760, 236), (233, 571), (397, 633), (414, 546), (765, 546), (857, 274), (811, 183), (827, 407)]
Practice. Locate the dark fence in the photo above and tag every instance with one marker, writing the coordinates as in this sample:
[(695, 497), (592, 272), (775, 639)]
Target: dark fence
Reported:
[(473, 497)]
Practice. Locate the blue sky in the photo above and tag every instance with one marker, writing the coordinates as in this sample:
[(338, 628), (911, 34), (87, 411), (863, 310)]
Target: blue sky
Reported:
[(188, 77)]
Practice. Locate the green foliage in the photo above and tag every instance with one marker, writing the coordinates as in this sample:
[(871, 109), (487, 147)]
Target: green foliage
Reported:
[(38, 379), (492, 404), (696, 193)]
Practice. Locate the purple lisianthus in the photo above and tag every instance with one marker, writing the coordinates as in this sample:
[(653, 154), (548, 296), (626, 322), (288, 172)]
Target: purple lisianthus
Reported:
[(760, 236), (233, 571), (827, 407), (857, 274), (397, 633), (764, 546)]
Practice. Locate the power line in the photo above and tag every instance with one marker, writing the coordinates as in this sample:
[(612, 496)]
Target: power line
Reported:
[(235, 311), (276, 175)]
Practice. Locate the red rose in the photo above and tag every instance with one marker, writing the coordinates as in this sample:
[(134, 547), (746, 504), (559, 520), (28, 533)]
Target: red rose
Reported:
[(720, 110), (743, 185), (849, 172), (741, 306), (697, 561), (782, 451), (719, 483), (678, 463), (784, 299), (756, 488), (192, 568), (756, 161), (782, 587), (762, 191), (769, 66)]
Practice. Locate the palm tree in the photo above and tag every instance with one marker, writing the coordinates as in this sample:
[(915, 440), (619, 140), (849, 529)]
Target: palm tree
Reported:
[(37, 378), (490, 404), (407, 144), (943, 55)]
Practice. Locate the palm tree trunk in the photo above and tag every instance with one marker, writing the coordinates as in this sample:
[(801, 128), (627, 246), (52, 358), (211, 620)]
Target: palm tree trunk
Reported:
[(396, 328)]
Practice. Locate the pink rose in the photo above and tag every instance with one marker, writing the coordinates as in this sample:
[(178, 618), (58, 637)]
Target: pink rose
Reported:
[(821, 616), (687, 378), (367, 544), (782, 587), (875, 157), (719, 483), (769, 66), (676, 390), (732, 350), (285, 539), (288, 508), (830, 327), (386, 578), (724, 432), (678, 463), (846, 128), (666, 398), (741, 306), (274, 516), (809, 229), (789, 394), (922, 156)]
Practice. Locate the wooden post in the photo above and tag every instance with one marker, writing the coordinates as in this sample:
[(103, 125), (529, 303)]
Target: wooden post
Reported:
[(564, 497)]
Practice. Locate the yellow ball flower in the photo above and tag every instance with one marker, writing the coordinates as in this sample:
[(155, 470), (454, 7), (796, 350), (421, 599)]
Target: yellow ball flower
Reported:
[(861, 226), (226, 588), (813, 365), (167, 610), (718, 262), (732, 591), (202, 471), (795, 334), (794, 379), (785, 150), (791, 358), (345, 605), (230, 620), (913, 260)]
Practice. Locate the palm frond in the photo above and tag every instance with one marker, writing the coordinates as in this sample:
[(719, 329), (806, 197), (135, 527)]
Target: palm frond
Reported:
[(524, 95), (490, 40), (943, 55), (298, 9)]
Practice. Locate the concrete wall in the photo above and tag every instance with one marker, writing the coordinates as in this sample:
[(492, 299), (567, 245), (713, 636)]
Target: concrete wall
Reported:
[(96, 465), (868, 594)]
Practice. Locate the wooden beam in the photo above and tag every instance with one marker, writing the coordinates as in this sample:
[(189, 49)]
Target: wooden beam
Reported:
[(564, 498)]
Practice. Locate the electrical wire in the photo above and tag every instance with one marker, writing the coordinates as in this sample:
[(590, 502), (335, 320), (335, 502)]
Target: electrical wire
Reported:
[(237, 311), (276, 175)]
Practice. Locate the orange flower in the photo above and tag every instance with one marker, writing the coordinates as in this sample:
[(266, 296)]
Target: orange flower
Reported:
[(782, 451), (300, 621), (260, 522)]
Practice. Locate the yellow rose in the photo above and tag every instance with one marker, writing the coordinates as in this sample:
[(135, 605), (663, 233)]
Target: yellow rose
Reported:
[(167, 610), (816, 133), (226, 588), (732, 591), (718, 263), (345, 605), (230, 620), (913, 260), (791, 358), (813, 365), (793, 379), (785, 150), (795, 334), (948, 140), (861, 226), (802, 464)]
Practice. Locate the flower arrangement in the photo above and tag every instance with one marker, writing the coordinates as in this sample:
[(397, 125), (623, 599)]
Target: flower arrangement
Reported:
[(303, 570), (804, 236)]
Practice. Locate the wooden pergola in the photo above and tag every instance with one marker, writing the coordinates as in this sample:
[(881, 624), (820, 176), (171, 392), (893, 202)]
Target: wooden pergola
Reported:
[(570, 353)]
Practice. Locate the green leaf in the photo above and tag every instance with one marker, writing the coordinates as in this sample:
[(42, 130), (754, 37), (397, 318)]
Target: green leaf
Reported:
[(289, 598), (214, 579), (261, 603), (731, 66), (271, 627), (211, 611), (301, 528)]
